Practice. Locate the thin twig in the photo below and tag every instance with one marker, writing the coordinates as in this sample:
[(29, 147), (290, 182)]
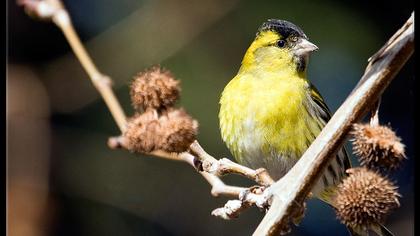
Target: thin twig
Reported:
[(212, 177), (247, 198), (120, 142), (54, 10), (298, 182), (226, 166), (231, 209), (101, 82), (218, 186)]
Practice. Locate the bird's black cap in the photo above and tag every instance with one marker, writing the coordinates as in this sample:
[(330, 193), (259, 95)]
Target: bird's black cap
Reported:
[(284, 28)]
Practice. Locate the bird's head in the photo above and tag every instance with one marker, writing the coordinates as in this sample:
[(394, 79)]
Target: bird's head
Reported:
[(279, 45)]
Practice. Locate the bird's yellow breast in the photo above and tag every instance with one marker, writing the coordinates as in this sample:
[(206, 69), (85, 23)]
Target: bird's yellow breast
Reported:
[(264, 114)]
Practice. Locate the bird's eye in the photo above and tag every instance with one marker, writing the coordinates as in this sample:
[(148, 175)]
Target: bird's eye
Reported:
[(293, 39), (281, 43)]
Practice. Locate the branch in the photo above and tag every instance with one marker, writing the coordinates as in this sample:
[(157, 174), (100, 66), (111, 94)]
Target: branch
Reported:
[(297, 183), (218, 186), (226, 166), (54, 10), (247, 198), (209, 167)]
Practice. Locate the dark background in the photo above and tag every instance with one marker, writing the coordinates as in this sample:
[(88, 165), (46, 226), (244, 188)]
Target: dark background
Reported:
[(62, 178)]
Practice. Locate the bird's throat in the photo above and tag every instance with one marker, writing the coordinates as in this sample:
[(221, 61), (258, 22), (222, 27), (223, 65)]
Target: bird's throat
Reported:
[(272, 60)]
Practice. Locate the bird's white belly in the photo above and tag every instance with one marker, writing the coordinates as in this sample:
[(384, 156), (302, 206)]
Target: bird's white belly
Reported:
[(253, 155)]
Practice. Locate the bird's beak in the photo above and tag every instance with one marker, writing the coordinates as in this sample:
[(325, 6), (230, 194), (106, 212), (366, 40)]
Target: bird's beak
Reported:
[(304, 47)]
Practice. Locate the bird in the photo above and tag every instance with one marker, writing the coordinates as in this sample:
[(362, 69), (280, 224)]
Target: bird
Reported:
[(270, 112)]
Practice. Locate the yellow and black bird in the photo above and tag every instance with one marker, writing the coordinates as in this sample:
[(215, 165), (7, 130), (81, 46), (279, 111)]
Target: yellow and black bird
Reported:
[(270, 112)]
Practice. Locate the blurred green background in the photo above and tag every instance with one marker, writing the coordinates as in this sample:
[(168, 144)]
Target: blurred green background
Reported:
[(64, 180)]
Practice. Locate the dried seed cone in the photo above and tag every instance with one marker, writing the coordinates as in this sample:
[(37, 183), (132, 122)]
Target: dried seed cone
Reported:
[(142, 133), (173, 131), (178, 130), (377, 146), (365, 198), (154, 88)]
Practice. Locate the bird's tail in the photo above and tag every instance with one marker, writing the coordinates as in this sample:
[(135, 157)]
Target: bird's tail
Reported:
[(379, 229)]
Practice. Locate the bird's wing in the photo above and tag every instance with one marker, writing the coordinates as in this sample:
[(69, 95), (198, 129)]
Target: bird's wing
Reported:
[(325, 114), (324, 111), (336, 170)]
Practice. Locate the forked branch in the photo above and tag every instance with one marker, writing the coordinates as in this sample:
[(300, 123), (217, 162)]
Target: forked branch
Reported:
[(55, 11)]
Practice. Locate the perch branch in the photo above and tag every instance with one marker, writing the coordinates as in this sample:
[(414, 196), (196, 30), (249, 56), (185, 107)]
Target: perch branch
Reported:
[(218, 186), (247, 198), (226, 166), (296, 184)]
